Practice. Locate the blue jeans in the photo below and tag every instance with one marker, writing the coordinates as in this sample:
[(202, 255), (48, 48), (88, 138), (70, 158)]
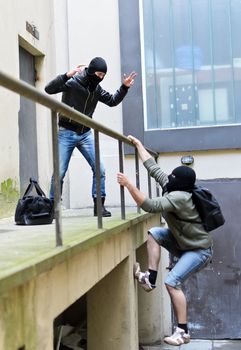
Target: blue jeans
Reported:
[(189, 262), (68, 140)]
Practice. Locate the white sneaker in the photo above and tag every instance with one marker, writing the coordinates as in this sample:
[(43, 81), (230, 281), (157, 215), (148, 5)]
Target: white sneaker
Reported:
[(179, 337), (143, 278)]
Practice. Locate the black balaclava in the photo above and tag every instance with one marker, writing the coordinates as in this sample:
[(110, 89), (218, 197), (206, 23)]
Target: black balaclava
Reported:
[(97, 64), (182, 178)]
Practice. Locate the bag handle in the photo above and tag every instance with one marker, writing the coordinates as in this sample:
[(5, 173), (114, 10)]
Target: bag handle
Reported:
[(28, 190), (33, 183), (38, 188)]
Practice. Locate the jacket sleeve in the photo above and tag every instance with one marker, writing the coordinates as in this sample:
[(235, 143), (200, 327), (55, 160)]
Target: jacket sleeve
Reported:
[(155, 172), (176, 201), (157, 205), (115, 99), (57, 85)]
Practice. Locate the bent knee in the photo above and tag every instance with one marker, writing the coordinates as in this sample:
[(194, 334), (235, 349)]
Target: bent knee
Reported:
[(151, 237), (169, 287), (173, 281), (172, 289)]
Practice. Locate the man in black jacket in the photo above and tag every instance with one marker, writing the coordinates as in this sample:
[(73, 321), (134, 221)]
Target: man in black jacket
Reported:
[(81, 91)]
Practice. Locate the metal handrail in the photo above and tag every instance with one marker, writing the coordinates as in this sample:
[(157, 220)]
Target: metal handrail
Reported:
[(22, 88), (28, 91)]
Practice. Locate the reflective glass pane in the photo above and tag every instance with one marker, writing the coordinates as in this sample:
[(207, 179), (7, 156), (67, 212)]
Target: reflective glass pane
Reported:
[(235, 14), (192, 62), (150, 67)]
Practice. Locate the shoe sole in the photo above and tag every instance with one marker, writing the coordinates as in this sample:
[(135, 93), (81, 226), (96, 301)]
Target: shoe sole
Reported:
[(136, 271), (170, 342), (104, 216)]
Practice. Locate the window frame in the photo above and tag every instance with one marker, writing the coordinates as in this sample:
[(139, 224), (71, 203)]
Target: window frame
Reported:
[(196, 138)]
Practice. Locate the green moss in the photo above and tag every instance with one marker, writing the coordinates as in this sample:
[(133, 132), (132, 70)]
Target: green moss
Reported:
[(17, 307), (9, 195), (9, 190)]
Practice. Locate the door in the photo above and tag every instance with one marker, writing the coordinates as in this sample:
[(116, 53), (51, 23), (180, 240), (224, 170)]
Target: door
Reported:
[(28, 156), (213, 295)]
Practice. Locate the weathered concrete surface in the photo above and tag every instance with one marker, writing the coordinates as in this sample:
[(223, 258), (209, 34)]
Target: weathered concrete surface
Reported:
[(39, 281), (200, 345)]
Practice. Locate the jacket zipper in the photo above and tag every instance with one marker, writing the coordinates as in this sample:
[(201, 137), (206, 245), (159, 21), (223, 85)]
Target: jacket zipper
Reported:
[(86, 102)]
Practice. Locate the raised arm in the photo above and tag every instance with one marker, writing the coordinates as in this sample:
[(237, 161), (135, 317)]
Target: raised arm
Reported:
[(136, 194), (58, 84), (143, 154), (155, 205), (113, 100), (149, 162)]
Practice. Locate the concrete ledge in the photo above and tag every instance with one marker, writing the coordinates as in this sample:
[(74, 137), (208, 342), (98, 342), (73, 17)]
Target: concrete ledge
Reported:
[(38, 281), (17, 270)]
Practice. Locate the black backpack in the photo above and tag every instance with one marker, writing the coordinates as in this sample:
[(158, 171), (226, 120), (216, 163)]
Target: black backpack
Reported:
[(208, 208)]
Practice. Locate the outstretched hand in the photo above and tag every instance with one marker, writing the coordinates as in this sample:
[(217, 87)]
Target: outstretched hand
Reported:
[(129, 80), (122, 179), (134, 140), (143, 153)]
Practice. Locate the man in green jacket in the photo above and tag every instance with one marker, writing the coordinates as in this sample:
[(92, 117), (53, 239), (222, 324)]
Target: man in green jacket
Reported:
[(184, 238)]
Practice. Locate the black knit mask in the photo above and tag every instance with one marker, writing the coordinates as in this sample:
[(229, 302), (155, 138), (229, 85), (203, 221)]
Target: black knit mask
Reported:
[(97, 64), (182, 178)]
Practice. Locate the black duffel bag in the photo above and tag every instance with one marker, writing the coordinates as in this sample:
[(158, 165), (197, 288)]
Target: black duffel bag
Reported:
[(34, 209)]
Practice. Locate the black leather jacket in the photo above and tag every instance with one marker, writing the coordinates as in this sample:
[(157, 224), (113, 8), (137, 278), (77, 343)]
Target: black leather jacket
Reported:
[(76, 94)]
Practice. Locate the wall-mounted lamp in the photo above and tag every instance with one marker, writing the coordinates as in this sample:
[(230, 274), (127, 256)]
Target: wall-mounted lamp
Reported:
[(187, 160)]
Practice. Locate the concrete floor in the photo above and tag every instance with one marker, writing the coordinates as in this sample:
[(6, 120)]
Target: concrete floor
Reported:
[(199, 345)]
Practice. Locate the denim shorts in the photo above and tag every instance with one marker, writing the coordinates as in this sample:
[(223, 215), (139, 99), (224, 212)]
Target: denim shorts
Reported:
[(188, 263)]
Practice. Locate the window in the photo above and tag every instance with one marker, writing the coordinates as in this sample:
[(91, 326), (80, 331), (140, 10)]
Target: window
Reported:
[(192, 63)]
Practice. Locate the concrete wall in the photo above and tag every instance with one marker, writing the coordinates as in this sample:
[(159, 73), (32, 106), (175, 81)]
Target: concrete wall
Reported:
[(103, 268), (208, 165), (14, 15)]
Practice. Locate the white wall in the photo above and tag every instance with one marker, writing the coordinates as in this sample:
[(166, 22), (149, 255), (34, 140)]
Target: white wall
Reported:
[(208, 164), (13, 17), (94, 31)]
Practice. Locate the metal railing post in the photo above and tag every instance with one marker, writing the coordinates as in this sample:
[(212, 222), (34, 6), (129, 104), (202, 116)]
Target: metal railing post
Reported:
[(157, 184), (57, 192), (122, 190), (97, 176), (137, 175), (149, 185)]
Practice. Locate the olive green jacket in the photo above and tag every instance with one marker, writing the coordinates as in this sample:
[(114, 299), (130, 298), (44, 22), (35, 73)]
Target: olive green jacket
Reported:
[(175, 207)]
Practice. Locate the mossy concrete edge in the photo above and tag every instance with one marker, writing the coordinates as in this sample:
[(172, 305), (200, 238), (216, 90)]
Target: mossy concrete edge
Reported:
[(34, 266)]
